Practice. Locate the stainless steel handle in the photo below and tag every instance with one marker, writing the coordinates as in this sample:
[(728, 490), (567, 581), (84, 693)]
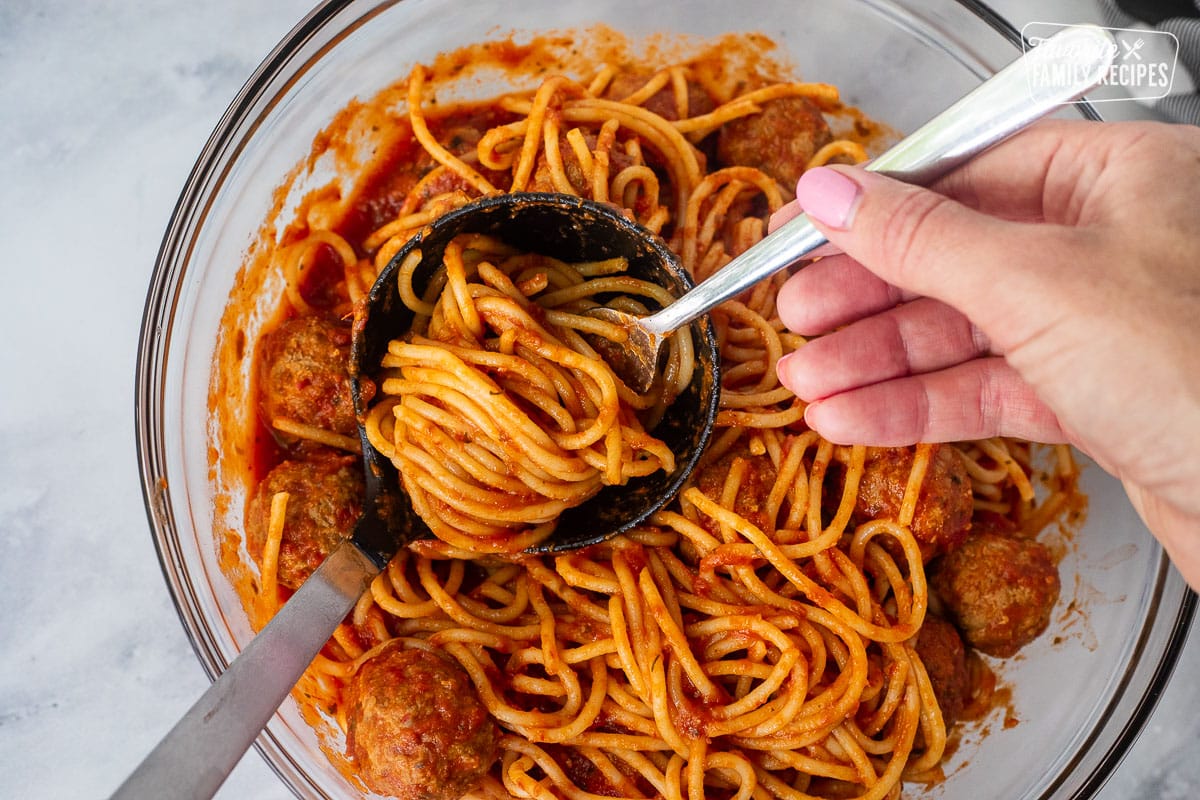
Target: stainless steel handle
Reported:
[(1004, 104), (195, 757)]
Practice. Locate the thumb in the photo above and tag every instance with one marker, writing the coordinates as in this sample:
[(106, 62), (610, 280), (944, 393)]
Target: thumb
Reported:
[(988, 268)]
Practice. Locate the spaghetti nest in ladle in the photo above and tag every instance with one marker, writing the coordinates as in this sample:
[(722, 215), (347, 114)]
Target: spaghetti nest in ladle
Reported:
[(496, 411)]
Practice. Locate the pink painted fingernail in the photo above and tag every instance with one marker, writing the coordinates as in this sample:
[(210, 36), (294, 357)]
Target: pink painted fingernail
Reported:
[(781, 368), (828, 196), (811, 413)]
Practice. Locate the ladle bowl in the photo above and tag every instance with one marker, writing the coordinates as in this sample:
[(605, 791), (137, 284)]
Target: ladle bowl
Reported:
[(572, 230)]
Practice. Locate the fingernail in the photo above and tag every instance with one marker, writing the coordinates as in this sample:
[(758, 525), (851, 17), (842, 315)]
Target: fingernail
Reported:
[(781, 368), (810, 411), (828, 196), (783, 215)]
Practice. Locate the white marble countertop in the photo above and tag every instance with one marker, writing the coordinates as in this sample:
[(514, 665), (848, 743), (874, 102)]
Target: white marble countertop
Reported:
[(103, 108)]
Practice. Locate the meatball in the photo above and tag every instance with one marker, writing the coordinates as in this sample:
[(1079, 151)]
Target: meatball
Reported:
[(416, 727), (662, 102), (945, 658), (752, 494), (541, 180), (999, 591), (944, 505), (325, 501), (780, 140), (303, 374)]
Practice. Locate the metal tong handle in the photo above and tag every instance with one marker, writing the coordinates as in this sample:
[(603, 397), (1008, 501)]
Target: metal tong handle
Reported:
[(1004, 104)]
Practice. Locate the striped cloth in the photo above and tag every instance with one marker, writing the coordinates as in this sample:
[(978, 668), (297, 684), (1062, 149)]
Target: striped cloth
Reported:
[(1181, 18)]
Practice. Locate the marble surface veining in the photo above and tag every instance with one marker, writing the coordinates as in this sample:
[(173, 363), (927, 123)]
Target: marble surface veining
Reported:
[(104, 106)]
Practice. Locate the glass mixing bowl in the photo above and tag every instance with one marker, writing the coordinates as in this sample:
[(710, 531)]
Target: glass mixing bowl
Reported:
[(1081, 693)]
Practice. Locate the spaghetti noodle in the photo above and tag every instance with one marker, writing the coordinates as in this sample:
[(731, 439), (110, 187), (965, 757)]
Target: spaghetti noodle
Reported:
[(759, 637)]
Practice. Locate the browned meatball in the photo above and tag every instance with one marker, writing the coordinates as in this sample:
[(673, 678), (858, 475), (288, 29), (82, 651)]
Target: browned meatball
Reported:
[(944, 506), (752, 494), (662, 102), (541, 180), (945, 658), (303, 374), (325, 496), (416, 727), (999, 591), (779, 140)]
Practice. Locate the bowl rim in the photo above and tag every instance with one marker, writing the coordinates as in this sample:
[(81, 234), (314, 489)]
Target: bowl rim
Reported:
[(158, 318)]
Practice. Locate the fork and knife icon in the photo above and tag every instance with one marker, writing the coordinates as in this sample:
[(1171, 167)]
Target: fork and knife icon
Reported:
[(1131, 49)]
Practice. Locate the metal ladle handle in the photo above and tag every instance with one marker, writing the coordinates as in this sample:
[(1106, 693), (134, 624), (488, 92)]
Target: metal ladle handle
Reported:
[(1004, 104), (198, 753)]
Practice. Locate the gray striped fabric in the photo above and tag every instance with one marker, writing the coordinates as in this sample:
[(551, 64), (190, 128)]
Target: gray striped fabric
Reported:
[(1181, 107)]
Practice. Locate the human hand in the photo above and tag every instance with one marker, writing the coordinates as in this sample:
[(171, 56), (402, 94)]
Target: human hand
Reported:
[(1048, 290)]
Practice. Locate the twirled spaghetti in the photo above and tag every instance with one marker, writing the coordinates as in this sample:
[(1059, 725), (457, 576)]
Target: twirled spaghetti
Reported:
[(762, 636), (495, 410)]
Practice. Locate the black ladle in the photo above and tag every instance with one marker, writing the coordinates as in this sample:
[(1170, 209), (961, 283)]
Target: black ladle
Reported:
[(571, 230), (194, 758)]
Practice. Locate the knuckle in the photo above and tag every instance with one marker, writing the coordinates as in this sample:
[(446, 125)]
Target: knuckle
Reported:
[(990, 403), (893, 346), (903, 237), (909, 410), (922, 418), (980, 341)]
